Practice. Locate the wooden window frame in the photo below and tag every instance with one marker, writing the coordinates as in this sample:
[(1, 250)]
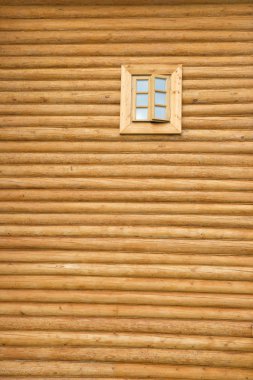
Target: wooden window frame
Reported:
[(168, 95), (128, 125), (134, 93)]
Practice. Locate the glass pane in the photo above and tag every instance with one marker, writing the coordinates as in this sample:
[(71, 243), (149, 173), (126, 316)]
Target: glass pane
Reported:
[(160, 84), (160, 98), (141, 100), (160, 112), (142, 85), (141, 113)]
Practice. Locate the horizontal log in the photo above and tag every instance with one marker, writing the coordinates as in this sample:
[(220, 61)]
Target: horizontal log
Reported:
[(112, 2), (111, 134), (69, 127), (130, 355), (240, 95), (144, 232), (71, 85), (131, 270), (204, 246), (138, 146), (124, 171), (65, 109), (239, 23), (215, 122), (128, 49), (123, 184), (128, 311), (114, 84), (113, 109), (57, 133), (124, 283), (203, 84), (51, 97), (132, 171), (68, 122), (204, 127), (215, 109), (128, 298), (141, 196), (170, 326), (221, 72), (64, 97), (126, 208), (174, 10), (65, 74), (29, 338), (126, 220), (202, 72), (217, 96), (127, 158), (123, 196), (109, 61), (118, 36), (124, 258), (59, 368)]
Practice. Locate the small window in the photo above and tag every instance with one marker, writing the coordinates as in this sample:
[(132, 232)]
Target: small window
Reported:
[(150, 100)]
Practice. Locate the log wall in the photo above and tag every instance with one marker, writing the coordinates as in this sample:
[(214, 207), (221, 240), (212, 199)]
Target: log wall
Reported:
[(125, 257)]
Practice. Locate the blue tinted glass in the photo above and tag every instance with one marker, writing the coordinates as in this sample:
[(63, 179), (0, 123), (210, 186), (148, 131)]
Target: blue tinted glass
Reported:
[(160, 98), (141, 100), (160, 112), (141, 113), (160, 84), (142, 85)]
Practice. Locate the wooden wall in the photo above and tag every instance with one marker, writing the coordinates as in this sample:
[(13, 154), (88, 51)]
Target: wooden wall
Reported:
[(125, 257)]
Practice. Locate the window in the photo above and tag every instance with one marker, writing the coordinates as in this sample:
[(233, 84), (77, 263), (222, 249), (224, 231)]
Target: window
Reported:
[(150, 100)]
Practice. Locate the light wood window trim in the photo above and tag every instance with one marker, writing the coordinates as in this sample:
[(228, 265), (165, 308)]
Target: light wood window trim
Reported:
[(127, 124)]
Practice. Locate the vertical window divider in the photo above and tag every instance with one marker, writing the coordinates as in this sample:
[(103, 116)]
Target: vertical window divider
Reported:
[(152, 97)]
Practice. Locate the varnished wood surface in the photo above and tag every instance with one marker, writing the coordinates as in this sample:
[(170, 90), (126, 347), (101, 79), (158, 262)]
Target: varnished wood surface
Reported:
[(125, 257)]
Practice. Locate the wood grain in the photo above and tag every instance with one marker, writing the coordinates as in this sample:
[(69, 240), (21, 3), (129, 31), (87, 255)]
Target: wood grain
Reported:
[(125, 257)]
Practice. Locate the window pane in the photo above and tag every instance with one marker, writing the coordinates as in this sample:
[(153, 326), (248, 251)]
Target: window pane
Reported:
[(160, 112), (160, 98), (142, 85), (160, 84), (141, 100), (141, 113)]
